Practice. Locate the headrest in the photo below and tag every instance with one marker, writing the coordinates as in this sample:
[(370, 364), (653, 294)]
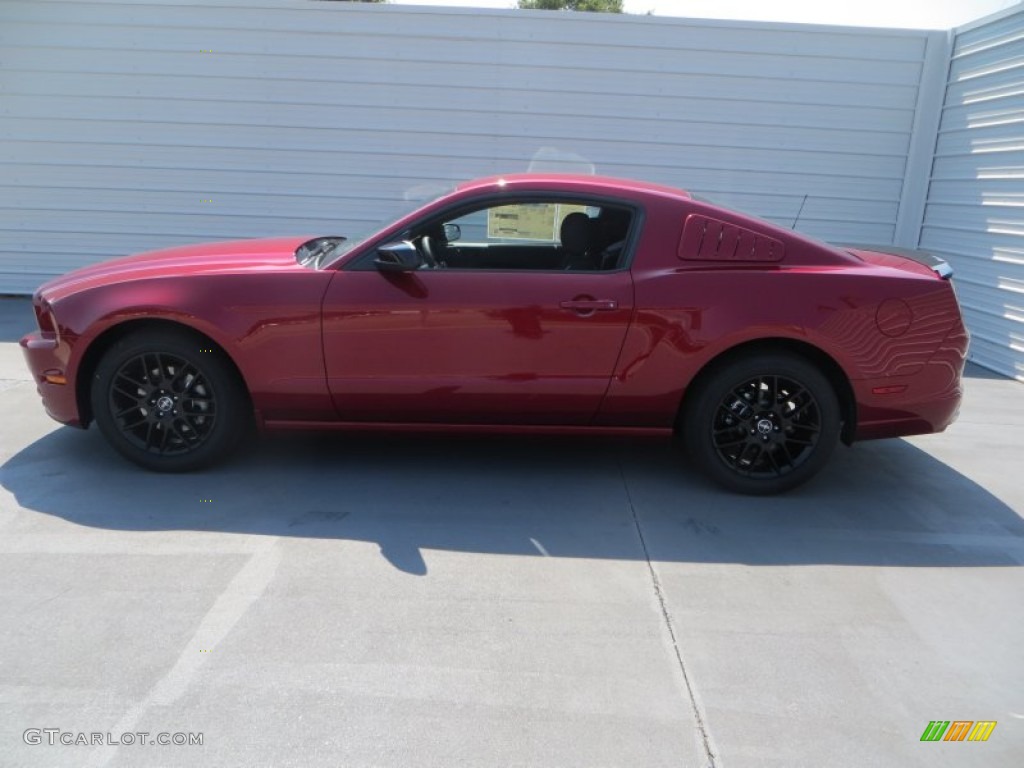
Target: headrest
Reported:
[(576, 233)]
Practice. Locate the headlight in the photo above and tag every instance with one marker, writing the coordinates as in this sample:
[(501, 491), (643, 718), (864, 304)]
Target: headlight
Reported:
[(45, 319)]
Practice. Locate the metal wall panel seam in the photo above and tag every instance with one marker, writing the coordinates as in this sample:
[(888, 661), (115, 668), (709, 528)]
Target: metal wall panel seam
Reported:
[(920, 155)]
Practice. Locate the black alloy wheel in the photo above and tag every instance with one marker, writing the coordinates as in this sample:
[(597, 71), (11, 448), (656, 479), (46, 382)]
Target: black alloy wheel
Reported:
[(767, 426), (169, 401), (163, 404), (762, 425)]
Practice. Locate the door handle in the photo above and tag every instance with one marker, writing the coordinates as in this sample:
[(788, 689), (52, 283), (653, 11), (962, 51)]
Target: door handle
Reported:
[(590, 305)]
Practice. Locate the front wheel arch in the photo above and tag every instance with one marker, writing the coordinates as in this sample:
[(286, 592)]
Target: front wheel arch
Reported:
[(109, 337), (815, 355), (167, 402)]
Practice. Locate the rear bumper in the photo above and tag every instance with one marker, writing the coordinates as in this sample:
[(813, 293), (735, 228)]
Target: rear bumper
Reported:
[(882, 418), (46, 361), (926, 402)]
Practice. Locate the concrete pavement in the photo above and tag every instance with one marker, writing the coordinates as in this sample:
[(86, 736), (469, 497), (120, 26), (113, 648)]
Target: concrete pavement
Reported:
[(338, 600)]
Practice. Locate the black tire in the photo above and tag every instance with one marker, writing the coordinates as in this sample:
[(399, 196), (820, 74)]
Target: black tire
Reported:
[(762, 424), (169, 401)]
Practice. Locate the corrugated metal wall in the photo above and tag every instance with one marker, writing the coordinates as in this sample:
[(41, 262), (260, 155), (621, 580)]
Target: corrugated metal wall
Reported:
[(134, 125), (975, 209)]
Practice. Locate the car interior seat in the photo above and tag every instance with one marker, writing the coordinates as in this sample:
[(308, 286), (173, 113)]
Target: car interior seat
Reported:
[(614, 225), (579, 243)]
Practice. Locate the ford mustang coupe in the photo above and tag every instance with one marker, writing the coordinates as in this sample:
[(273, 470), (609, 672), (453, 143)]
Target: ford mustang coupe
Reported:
[(539, 303)]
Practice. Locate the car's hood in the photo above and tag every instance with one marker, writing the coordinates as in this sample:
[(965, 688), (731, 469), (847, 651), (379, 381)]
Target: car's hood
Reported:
[(273, 254)]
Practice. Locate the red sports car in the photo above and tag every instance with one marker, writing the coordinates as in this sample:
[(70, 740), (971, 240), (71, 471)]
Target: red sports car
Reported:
[(526, 303)]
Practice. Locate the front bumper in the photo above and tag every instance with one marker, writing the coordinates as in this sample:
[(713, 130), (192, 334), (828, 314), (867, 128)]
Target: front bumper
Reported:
[(46, 359)]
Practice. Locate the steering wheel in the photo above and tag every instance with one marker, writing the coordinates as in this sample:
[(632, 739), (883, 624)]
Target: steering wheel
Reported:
[(432, 248), (426, 251)]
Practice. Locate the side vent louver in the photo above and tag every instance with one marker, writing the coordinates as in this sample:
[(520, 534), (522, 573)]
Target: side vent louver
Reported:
[(707, 239)]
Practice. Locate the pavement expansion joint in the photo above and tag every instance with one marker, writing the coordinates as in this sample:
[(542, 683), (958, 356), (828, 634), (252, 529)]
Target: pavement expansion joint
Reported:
[(698, 710)]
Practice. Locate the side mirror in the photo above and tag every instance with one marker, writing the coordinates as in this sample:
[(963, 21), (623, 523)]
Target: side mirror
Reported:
[(400, 256), (452, 232)]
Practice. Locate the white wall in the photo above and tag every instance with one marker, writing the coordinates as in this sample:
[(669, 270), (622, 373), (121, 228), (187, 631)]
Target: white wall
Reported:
[(975, 210), (317, 117)]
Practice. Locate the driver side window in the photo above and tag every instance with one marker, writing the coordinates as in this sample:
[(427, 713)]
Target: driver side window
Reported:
[(529, 235)]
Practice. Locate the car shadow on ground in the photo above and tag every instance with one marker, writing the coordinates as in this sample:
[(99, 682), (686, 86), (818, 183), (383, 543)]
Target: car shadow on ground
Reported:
[(882, 503)]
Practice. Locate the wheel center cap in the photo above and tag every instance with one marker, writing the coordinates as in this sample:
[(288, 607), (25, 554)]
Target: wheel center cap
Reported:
[(764, 427), (164, 403)]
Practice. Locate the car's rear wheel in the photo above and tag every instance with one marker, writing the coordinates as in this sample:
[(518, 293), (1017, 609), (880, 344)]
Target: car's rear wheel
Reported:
[(762, 424), (169, 401)]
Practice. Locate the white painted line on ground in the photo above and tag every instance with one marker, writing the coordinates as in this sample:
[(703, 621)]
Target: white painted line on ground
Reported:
[(240, 594)]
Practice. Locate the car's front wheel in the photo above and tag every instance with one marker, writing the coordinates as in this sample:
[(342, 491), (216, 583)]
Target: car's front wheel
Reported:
[(762, 424), (169, 401)]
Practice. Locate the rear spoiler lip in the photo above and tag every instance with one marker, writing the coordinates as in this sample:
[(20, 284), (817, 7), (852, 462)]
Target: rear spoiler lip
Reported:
[(940, 267)]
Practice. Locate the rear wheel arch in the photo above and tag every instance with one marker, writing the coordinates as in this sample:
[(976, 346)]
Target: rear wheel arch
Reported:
[(99, 346), (824, 362)]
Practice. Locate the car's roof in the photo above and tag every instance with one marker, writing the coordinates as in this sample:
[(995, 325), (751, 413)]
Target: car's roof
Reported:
[(570, 180)]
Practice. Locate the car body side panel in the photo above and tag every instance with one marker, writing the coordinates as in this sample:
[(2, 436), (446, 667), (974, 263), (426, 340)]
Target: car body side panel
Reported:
[(927, 401), (879, 323), (269, 324), (686, 318), (486, 346)]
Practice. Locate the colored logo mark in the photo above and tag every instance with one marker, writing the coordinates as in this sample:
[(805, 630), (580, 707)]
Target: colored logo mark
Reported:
[(958, 730)]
